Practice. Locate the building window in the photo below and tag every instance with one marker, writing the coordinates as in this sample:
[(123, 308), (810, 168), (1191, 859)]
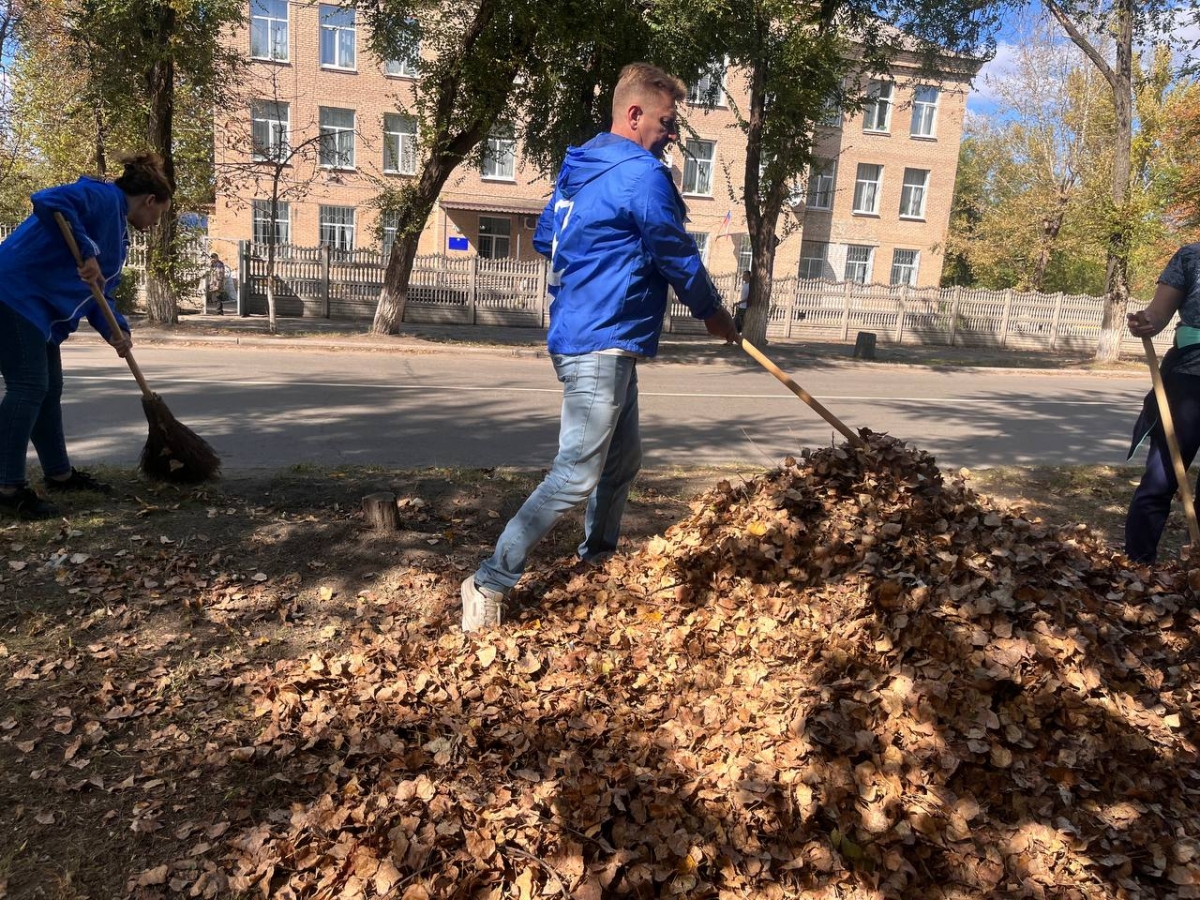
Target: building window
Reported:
[(745, 259), (814, 258), (337, 36), (867, 189), (262, 222), (399, 144), (821, 177), (904, 267), (337, 227), (831, 112), (924, 111), (500, 158), (701, 239), (912, 195), (698, 167), (877, 115), (390, 229), (709, 89), (858, 263), (406, 67), (337, 137), (495, 237), (268, 131), (269, 29)]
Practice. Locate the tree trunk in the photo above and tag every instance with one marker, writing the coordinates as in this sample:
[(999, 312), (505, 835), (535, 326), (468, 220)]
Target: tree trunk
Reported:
[(272, 237), (162, 300), (1051, 226), (412, 217)]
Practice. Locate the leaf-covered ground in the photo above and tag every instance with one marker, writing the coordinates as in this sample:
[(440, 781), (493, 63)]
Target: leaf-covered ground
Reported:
[(845, 678)]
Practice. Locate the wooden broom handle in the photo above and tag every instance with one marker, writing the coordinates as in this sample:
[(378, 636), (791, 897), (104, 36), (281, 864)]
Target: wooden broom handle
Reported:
[(1164, 413), (800, 392), (102, 302)]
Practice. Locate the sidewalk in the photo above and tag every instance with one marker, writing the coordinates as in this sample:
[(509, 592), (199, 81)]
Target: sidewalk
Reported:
[(318, 334)]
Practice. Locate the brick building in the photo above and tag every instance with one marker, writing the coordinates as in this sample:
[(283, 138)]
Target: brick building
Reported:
[(874, 209)]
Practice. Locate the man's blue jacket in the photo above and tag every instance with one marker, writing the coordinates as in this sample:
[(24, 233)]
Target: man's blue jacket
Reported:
[(614, 234), (38, 275)]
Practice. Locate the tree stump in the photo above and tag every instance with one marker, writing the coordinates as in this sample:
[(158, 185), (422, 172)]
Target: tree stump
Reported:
[(864, 345), (380, 512)]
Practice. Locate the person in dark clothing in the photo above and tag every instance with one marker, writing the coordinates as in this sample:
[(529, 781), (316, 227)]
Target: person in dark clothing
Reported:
[(216, 284), (43, 296), (1178, 291)]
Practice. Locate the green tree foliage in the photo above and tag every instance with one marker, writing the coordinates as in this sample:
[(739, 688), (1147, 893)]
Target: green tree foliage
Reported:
[(1123, 25), (1024, 198), (797, 57), (540, 71), (126, 73)]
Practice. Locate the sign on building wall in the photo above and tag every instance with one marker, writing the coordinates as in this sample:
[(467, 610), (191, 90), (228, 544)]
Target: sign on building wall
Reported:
[(458, 243)]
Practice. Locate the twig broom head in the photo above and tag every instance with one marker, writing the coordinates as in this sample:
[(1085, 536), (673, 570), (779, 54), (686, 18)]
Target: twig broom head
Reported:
[(174, 452)]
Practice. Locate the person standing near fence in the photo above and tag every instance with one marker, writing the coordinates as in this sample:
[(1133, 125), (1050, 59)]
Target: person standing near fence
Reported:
[(1178, 291), (216, 284), (614, 233), (43, 296)]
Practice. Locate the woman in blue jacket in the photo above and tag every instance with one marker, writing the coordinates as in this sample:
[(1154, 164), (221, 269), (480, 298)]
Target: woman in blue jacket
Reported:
[(42, 298)]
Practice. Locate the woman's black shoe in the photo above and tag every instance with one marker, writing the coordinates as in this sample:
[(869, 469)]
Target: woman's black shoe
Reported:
[(25, 504), (79, 481)]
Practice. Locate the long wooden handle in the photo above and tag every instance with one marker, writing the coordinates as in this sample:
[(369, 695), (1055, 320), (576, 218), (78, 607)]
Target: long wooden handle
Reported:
[(800, 392), (102, 302), (1164, 413)]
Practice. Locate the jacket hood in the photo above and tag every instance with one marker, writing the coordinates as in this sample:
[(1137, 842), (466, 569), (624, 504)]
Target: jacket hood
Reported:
[(599, 155)]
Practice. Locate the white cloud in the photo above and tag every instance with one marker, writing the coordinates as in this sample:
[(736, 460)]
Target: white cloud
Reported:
[(997, 70)]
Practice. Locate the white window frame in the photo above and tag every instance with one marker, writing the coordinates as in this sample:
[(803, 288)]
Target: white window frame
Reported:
[(867, 190), (745, 254), (877, 114), (861, 266), (913, 194), (831, 113), (270, 130), (701, 239), (261, 221), (924, 111), (343, 58), (702, 90), (335, 231), (905, 273), (807, 258), (333, 155), (399, 144), (266, 24), (498, 146), (490, 239), (695, 166), (389, 230), (404, 68), (822, 179)]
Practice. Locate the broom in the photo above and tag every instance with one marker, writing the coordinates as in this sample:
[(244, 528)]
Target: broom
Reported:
[(173, 451)]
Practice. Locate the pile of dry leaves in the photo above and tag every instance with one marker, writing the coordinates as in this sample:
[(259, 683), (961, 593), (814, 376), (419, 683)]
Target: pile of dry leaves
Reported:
[(844, 678)]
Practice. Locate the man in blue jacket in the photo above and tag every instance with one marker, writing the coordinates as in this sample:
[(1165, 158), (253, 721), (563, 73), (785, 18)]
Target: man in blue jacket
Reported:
[(614, 234)]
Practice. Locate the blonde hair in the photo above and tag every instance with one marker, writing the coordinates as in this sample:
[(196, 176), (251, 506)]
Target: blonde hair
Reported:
[(637, 80)]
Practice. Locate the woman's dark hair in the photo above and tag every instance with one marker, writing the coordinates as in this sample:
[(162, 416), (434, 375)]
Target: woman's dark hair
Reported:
[(144, 174)]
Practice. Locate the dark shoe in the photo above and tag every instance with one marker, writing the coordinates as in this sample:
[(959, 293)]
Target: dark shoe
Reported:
[(79, 481), (25, 504)]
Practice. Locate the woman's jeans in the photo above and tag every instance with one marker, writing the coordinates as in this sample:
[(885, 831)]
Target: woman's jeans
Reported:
[(31, 409), (599, 453), (1151, 502)]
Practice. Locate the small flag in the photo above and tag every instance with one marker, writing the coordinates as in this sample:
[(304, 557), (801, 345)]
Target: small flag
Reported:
[(725, 224)]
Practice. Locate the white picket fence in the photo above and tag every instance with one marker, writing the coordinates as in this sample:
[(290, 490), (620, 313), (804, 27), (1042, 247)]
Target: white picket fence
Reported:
[(317, 282)]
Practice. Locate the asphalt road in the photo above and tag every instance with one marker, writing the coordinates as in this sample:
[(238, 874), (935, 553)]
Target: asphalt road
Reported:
[(268, 408)]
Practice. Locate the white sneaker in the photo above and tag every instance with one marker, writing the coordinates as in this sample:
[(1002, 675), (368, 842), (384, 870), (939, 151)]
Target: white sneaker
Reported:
[(481, 607)]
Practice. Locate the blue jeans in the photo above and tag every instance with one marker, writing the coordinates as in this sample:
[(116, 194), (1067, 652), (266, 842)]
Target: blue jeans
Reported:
[(32, 408), (1151, 502), (599, 453)]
